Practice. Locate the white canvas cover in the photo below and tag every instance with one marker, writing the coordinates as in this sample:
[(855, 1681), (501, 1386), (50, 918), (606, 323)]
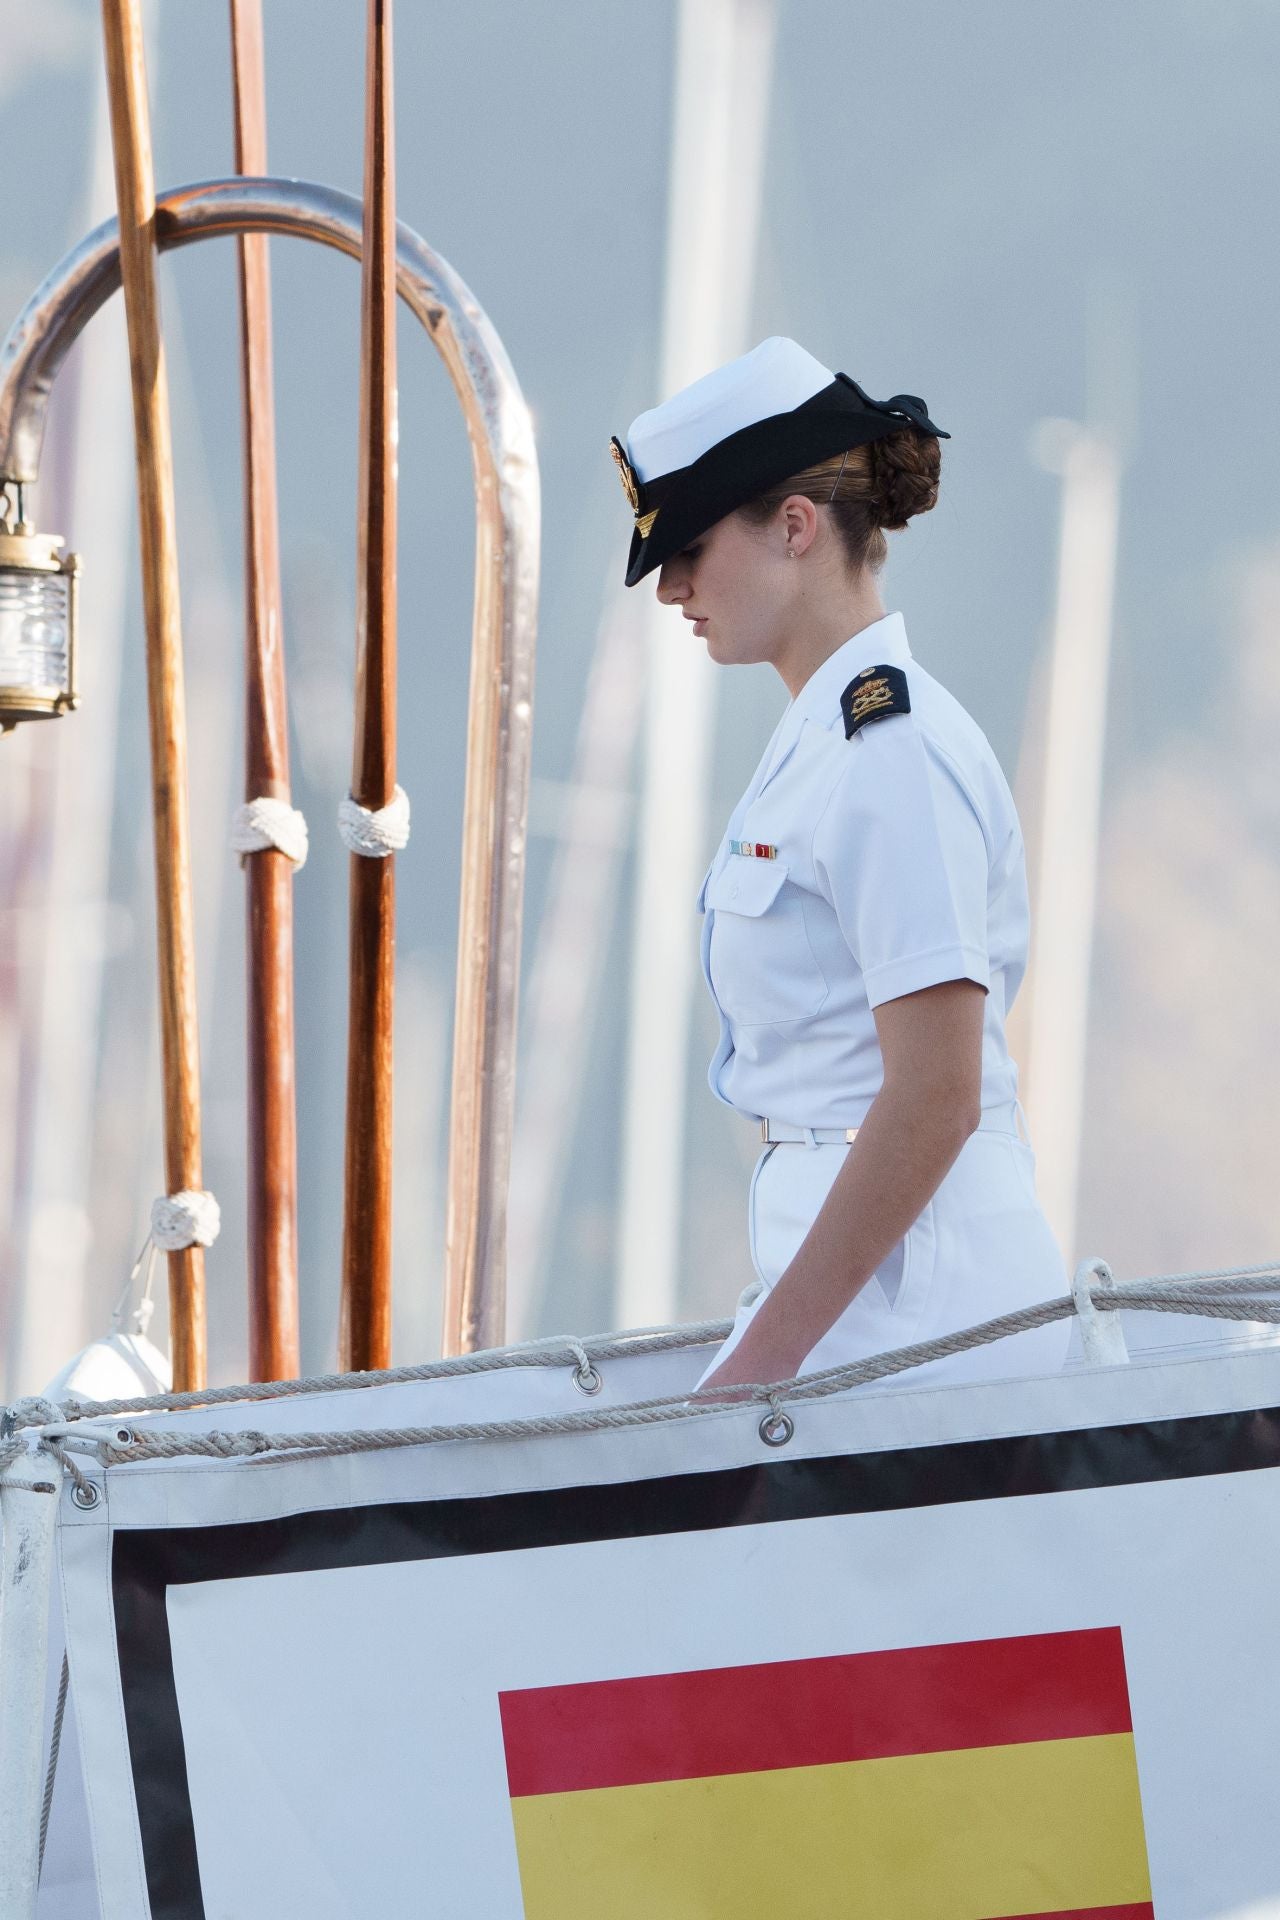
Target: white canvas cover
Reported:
[(300, 1686)]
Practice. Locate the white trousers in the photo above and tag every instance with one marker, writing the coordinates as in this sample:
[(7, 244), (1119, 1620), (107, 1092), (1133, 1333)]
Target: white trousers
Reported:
[(981, 1247)]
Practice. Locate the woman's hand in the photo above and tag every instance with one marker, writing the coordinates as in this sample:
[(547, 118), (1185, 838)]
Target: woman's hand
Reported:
[(762, 1356)]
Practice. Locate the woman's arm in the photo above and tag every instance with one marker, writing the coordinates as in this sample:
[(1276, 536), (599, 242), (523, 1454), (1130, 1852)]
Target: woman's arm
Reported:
[(929, 1104)]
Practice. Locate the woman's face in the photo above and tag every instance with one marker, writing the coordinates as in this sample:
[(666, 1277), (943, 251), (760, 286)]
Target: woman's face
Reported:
[(734, 583)]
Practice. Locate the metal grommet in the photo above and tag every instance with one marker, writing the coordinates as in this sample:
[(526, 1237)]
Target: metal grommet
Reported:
[(86, 1497), (776, 1429), (124, 1436), (587, 1378)]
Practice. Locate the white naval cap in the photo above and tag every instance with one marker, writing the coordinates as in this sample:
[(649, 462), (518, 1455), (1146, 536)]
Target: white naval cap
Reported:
[(774, 377), (726, 438)]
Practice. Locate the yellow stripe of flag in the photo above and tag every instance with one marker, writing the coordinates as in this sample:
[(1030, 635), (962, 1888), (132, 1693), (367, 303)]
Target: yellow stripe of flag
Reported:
[(1040, 1827)]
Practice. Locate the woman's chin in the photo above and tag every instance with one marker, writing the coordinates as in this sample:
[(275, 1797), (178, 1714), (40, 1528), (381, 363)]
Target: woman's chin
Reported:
[(722, 651)]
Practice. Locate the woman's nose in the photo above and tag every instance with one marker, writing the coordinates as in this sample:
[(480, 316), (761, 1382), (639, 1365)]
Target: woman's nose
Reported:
[(669, 589)]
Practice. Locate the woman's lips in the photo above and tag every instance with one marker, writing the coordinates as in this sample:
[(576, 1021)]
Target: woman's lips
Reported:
[(700, 627)]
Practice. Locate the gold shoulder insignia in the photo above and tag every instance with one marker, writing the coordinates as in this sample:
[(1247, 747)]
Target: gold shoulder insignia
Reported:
[(873, 694)]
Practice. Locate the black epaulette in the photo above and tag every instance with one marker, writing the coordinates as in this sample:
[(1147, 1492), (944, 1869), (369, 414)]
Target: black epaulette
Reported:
[(873, 694)]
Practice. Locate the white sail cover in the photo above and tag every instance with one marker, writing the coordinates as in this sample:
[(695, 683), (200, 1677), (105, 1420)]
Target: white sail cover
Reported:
[(968, 1652)]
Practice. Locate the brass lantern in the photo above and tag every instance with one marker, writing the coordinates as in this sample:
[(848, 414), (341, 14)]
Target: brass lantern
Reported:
[(37, 619)]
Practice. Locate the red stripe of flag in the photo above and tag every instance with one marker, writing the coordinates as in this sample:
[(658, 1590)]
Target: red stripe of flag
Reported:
[(808, 1713), (1142, 1911)]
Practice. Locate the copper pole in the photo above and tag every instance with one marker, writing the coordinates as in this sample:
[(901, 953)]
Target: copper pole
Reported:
[(180, 1052), (365, 1332), (272, 1116)]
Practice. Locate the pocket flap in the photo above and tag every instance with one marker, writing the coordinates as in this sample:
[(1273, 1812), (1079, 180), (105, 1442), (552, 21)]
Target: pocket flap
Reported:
[(746, 886)]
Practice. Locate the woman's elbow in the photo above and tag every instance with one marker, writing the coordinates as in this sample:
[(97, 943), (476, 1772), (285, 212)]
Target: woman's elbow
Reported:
[(947, 1106), (968, 1112), (957, 1107)]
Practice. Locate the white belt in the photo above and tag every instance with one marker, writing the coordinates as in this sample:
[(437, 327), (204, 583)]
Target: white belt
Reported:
[(773, 1131), (776, 1132)]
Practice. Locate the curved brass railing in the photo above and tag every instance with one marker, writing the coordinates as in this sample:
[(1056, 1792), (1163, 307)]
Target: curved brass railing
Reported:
[(503, 637)]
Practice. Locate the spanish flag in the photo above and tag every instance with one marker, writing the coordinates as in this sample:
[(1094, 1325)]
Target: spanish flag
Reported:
[(985, 1780)]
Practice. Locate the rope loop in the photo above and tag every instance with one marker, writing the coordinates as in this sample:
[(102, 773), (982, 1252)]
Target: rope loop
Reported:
[(186, 1219), (83, 1491), (264, 823), (587, 1377), (374, 832)]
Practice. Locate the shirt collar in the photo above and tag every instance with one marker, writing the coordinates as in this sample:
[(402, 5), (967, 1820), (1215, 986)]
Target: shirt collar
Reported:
[(882, 644)]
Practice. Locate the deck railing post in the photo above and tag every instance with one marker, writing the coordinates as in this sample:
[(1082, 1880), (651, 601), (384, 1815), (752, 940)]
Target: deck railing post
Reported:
[(365, 1330), (272, 1114), (180, 1051)]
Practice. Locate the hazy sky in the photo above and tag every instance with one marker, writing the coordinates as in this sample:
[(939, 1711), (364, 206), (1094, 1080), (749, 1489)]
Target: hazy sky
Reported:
[(1016, 210)]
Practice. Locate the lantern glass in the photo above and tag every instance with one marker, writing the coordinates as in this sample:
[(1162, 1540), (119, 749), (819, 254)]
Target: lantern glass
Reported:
[(37, 624), (35, 619)]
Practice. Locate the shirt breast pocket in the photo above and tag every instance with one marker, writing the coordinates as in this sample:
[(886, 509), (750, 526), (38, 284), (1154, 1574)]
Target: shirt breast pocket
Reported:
[(762, 965)]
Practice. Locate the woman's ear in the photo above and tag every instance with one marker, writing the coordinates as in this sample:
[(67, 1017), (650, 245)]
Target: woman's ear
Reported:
[(799, 522)]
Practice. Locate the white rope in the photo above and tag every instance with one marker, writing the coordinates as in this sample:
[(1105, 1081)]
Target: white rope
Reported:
[(1212, 1298), (375, 832), (1227, 1293), (159, 1444), (546, 1353), (186, 1219), (264, 823), (51, 1774)]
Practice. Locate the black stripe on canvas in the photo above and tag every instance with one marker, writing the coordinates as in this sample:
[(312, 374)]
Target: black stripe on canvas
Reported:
[(147, 1562)]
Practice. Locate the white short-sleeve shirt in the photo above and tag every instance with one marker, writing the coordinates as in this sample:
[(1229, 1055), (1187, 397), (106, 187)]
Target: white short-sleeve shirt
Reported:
[(878, 865)]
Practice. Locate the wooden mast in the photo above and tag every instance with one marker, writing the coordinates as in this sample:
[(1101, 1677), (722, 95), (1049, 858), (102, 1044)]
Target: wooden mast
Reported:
[(272, 1116), (180, 1055), (365, 1333)]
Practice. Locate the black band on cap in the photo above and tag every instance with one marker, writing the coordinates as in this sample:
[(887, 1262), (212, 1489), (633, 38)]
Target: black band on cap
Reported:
[(745, 464)]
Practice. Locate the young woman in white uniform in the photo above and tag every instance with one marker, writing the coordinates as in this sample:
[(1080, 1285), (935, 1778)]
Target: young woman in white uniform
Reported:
[(865, 915)]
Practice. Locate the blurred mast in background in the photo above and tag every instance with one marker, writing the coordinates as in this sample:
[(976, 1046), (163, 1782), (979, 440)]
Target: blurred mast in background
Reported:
[(723, 80), (566, 971), (63, 949), (1069, 808)]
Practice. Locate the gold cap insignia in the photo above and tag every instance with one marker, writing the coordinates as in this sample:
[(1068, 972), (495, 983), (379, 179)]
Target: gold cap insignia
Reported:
[(630, 485)]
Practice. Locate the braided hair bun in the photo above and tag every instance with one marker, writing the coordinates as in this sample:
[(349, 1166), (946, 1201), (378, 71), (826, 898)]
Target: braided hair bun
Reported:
[(903, 479)]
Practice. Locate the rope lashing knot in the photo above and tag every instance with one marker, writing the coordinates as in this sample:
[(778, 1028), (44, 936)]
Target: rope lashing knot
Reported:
[(374, 832), (263, 823), (777, 1426), (186, 1219), (32, 1411), (586, 1376)]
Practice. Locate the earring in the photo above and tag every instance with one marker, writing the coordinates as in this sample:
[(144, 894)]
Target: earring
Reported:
[(791, 553)]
